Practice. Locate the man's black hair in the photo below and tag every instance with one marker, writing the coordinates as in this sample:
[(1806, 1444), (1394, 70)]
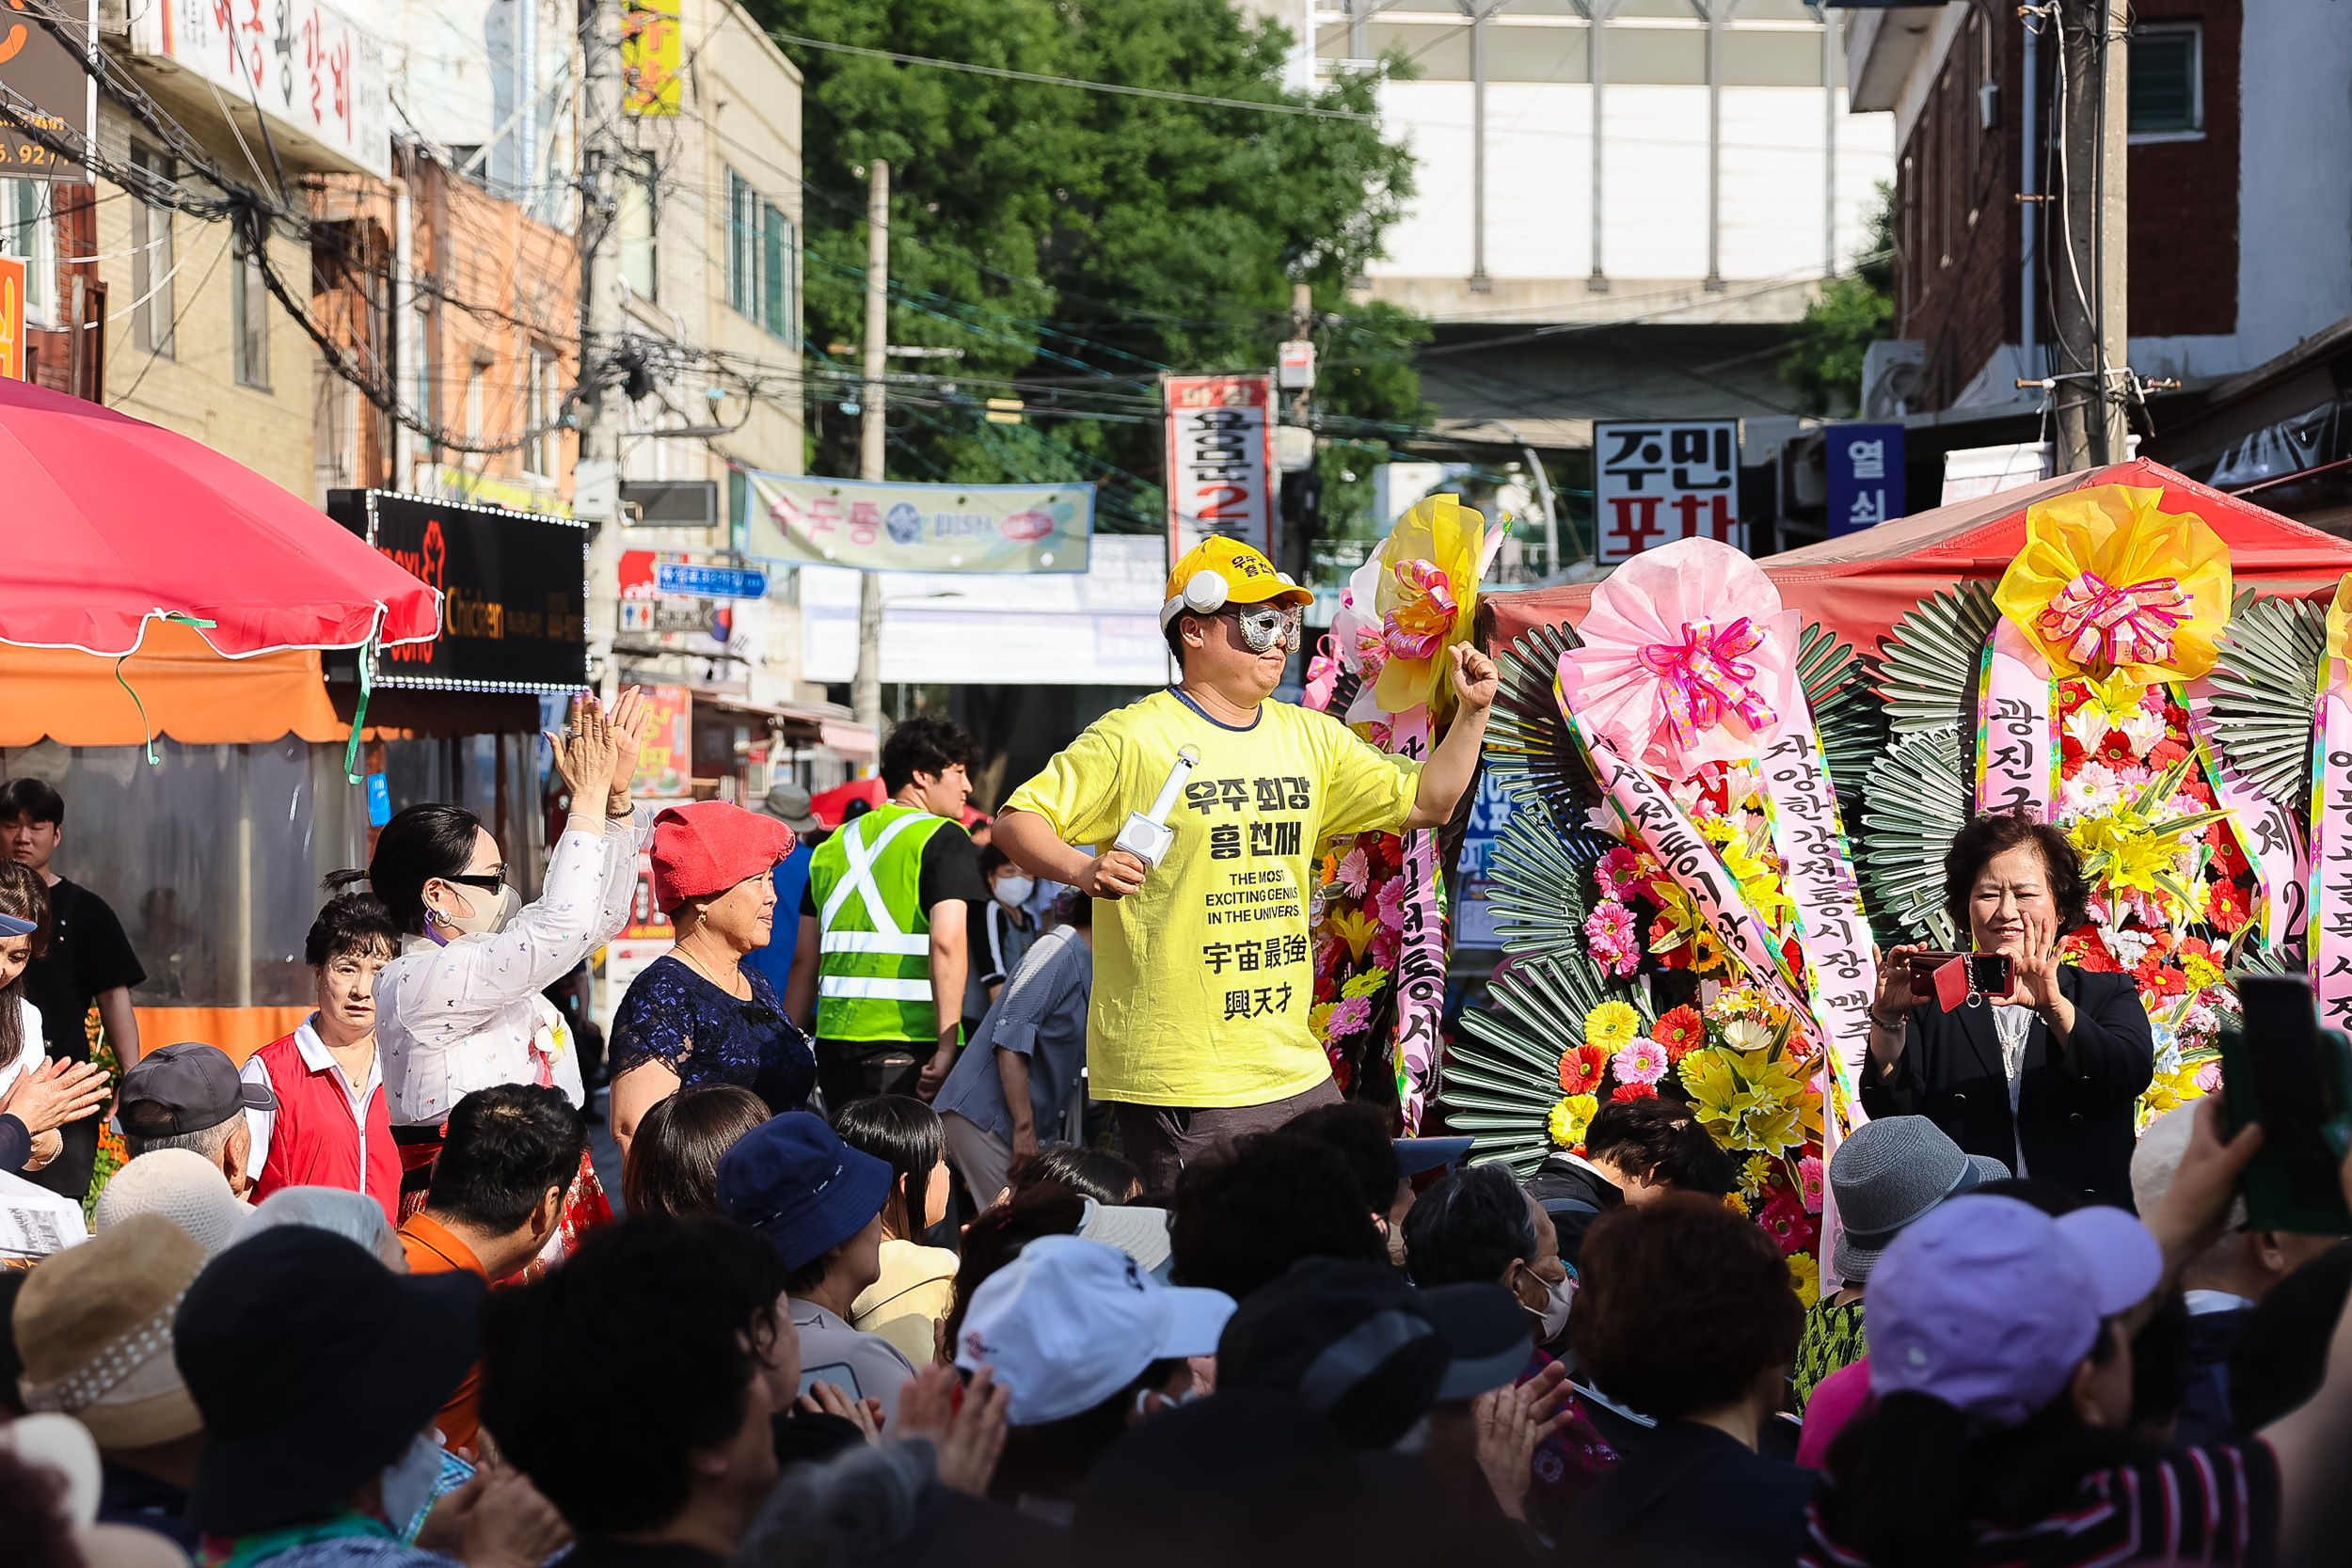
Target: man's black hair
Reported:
[(31, 800), (505, 1146), (1240, 1222), (1360, 1133), (1658, 1138), (352, 924), (1469, 1225), (923, 746), (600, 1380)]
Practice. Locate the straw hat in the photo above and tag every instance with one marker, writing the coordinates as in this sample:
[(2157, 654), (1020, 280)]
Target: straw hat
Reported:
[(184, 1188), (94, 1326)]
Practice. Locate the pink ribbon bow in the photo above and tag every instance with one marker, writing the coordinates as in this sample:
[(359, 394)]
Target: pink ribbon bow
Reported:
[(1417, 628), (1322, 675), (1702, 675), (2104, 626)]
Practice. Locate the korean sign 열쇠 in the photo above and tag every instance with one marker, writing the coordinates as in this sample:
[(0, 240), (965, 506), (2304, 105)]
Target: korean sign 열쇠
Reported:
[(308, 67), (513, 592), (1220, 461), (653, 52), (1660, 481), (1866, 475), (920, 527), (41, 67)]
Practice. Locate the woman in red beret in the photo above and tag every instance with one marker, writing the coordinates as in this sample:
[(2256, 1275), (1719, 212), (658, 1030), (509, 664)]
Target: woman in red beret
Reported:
[(697, 1015)]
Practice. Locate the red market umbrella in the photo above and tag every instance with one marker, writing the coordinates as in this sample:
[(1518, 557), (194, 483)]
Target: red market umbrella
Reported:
[(113, 522)]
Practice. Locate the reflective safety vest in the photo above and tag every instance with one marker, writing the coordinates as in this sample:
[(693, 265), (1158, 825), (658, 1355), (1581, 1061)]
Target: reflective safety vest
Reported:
[(874, 953)]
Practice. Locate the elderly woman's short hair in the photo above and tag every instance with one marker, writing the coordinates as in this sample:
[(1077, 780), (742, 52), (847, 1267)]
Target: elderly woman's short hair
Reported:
[(1985, 837)]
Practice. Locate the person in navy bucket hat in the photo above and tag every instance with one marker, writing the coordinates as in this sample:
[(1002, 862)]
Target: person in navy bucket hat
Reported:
[(819, 1202)]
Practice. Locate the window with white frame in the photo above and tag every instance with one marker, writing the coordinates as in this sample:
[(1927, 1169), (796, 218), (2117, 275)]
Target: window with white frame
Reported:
[(635, 223), (249, 317), (29, 233), (544, 442), (2167, 80), (151, 264), (759, 258)]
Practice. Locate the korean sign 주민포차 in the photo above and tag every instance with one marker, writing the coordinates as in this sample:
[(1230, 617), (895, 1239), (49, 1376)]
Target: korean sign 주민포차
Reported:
[(310, 68), (1660, 481), (920, 527), (1220, 461), (1866, 475)]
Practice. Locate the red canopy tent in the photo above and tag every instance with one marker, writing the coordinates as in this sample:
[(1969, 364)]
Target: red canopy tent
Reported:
[(829, 805), (1858, 586)]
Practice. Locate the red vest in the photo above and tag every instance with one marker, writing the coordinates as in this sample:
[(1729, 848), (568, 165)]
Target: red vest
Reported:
[(314, 1142)]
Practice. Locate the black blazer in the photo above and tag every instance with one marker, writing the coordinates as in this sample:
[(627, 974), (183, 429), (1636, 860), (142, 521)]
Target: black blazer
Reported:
[(2073, 1109)]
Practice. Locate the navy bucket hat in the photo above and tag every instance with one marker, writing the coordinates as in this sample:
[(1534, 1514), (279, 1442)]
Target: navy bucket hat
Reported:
[(793, 1181)]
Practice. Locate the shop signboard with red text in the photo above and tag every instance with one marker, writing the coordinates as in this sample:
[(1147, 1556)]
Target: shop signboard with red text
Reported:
[(1220, 461), (1658, 481)]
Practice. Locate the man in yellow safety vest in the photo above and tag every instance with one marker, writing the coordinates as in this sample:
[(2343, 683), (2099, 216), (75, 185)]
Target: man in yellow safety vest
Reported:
[(883, 946)]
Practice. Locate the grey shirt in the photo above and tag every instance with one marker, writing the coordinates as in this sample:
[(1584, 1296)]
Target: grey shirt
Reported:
[(1040, 1014), (863, 1366)]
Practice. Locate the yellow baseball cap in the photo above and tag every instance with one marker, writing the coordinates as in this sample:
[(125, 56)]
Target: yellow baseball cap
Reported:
[(1220, 571)]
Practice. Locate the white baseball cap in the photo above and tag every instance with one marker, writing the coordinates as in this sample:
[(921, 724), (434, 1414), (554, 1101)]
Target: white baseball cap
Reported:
[(1070, 1322)]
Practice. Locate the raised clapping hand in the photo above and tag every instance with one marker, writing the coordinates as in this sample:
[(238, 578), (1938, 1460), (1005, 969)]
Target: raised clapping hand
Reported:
[(1511, 1422), (968, 1435), (633, 716), (1475, 679), (587, 754), (55, 1093)]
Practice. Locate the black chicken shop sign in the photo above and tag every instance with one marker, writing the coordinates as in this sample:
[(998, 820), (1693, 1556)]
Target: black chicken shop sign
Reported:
[(513, 592)]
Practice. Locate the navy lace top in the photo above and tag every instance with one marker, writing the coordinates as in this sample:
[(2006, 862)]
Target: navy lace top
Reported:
[(674, 1016)]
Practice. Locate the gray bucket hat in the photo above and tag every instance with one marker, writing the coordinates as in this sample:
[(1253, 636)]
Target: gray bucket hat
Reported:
[(1885, 1174)]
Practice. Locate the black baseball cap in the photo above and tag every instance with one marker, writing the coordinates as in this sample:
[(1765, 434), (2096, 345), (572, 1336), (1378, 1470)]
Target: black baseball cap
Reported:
[(186, 1088), (1352, 1341)]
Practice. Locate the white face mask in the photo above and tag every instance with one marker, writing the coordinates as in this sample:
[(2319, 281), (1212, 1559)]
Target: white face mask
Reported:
[(409, 1480), (1013, 892), (490, 915), (1559, 1295)]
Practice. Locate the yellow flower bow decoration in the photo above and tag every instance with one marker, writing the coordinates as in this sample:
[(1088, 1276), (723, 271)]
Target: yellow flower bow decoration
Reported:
[(2340, 624), (1439, 538), (2109, 582)]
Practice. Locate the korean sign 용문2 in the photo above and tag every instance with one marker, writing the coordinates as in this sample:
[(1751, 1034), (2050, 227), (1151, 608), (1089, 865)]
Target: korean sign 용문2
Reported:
[(1220, 461), (1866, 475), (920, 527), (312, 68), (1660, 481)]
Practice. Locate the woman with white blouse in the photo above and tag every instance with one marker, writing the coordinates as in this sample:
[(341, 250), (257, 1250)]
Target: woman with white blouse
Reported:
[(459, 1009)]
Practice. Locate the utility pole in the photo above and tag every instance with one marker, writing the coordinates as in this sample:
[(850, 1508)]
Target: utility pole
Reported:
[(866, 686), (2089, 299), (597, 476)]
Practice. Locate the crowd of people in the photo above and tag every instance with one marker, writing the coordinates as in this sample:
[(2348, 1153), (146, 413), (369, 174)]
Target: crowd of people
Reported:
[(940, 1242)]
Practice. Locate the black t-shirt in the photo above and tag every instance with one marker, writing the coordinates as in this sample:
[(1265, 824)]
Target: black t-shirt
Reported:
[(951, 869), (87, 954)]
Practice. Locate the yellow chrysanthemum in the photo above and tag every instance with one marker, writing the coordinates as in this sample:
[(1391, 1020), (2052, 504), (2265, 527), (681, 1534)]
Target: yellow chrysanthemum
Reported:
[(1751, 1099), (1569, 1118), (1718, 830), (2202, 972), (1736, 1204), (1755, 1174), (1366, 984), (1805, 1277), (1611, 1025)]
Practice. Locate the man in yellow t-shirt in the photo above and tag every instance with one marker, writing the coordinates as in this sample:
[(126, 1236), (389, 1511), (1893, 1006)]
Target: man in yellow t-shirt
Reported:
[(1204, 968)]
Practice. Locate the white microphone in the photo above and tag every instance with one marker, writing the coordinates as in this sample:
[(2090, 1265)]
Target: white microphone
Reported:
[(1149, 837)]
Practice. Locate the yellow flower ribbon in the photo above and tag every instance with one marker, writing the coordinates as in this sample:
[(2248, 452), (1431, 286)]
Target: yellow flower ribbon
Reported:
[(2110, 582)]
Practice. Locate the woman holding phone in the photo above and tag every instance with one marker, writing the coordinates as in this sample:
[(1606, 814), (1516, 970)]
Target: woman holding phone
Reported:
[(2041, 1077)]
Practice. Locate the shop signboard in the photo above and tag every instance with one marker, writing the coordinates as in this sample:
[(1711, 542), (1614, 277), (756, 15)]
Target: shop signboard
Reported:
[(1220, 461), (513, 585), (1866, 475), (653, 55), (307, 67), (691, 580), (665, 760), (41, 66), (1656, 481), (11, 318), (920, 527)]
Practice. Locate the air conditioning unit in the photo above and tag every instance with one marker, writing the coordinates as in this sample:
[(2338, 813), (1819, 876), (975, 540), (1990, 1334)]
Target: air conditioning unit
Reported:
[(673, 502)]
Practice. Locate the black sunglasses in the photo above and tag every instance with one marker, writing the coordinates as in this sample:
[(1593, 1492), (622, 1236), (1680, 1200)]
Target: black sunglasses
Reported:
[(488, 882)]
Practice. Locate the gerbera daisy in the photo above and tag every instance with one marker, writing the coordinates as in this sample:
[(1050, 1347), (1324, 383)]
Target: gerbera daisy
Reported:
[(1611, 1025), (1680, 1031), (1634, 1091), (1642, 1062), (1581, 1069)]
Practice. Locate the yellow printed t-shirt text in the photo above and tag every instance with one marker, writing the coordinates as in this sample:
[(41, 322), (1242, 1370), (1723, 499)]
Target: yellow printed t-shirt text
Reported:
[(1204, 978)]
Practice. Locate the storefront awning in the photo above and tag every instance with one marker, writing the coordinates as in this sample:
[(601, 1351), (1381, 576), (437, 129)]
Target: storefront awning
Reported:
[(189, 692)]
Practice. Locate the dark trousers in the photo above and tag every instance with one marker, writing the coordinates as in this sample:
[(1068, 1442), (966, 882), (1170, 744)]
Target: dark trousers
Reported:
[(857, 1070), (1161, 1140)]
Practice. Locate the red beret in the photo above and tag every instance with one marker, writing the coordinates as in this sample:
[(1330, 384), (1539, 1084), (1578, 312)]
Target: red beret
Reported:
[(710, 846)]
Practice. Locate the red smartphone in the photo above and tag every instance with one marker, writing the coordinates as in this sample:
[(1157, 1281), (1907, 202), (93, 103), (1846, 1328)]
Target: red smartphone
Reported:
[(1989, 973)]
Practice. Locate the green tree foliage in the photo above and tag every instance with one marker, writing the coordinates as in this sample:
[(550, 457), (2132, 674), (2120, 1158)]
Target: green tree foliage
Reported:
[(1079, 242), (1824, 359)]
